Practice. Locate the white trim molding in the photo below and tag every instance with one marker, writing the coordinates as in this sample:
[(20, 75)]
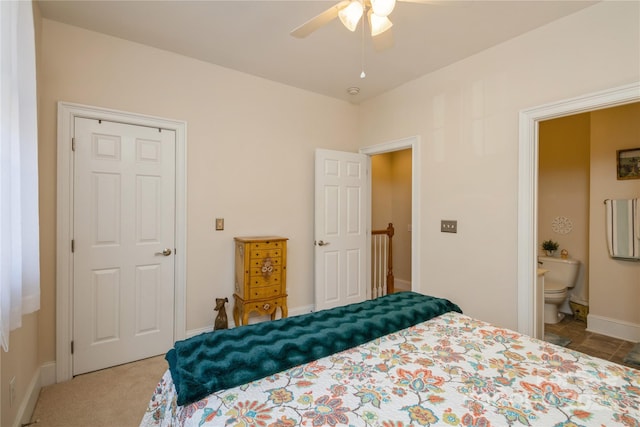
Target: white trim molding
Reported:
[(67, 112), (613, 328), (528, 186), (42, 377), (402, 285), (28, 402), (413, 143)]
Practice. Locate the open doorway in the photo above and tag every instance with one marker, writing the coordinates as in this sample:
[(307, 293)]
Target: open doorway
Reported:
[(576, 174), (391, 204), (409, 222), (529, 309)]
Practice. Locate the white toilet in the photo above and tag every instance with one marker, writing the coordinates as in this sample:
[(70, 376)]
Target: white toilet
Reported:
[(561, 275)]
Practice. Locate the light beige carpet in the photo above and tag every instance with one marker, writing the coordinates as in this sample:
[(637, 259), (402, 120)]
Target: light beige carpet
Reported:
[(115, 397)]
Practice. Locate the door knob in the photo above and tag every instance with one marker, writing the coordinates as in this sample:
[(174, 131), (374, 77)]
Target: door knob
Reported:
[(322, 243), (165, 252)]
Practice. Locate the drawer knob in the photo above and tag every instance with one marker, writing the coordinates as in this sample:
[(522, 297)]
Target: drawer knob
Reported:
[(266, 306)]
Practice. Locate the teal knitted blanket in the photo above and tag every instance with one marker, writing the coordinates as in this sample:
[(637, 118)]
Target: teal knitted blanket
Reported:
[(230, 357)]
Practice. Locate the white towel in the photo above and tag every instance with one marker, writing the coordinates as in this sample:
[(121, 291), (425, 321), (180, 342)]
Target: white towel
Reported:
[(623, 228)]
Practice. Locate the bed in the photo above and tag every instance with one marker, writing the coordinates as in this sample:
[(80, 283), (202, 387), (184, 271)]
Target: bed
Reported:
[(447, 369)]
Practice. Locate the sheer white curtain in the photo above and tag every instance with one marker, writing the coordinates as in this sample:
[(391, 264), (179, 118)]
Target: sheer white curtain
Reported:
[(19, 240)]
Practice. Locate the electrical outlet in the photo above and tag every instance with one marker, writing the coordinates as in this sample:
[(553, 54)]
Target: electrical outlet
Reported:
[(448, 226), (12, 391), (219, 224)]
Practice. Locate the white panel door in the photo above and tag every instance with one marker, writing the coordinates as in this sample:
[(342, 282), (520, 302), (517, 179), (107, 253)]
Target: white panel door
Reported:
[(341, 208), (124, 239)]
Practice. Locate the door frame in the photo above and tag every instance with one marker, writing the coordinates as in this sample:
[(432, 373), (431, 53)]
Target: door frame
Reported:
[(528, 184), (412, 142), (67, 112)]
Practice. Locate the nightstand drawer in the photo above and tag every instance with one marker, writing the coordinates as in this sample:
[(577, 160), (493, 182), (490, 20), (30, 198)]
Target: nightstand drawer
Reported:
[(265, 292), (264, 253), (259, 281), (266, 306), (260, 262), (278, 244), (258, 271)]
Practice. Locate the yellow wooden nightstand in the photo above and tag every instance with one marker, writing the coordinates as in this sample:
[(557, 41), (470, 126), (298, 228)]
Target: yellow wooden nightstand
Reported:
[(260, 276)]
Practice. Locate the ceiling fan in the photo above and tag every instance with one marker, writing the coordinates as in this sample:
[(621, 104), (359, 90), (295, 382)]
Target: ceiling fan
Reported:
[(350, 12)]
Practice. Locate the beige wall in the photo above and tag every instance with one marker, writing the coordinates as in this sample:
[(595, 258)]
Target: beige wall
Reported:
[(249, 154), (614, 284), (466, 115), (563, 189), (391, 202), (381, 191), (401, 218)]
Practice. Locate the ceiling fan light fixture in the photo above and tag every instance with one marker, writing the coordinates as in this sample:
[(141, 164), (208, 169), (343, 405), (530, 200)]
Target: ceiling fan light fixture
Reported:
[(378, 24), (383, 7), (350, 15)]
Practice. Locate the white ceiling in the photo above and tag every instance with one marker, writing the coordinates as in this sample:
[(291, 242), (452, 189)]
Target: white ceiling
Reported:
[(253, 36)]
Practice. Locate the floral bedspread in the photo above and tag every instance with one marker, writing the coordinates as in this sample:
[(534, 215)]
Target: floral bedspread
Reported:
[(451, 370)]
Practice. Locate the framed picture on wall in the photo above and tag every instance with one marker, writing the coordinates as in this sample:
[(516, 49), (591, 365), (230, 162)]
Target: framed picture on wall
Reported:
[(628, 163)]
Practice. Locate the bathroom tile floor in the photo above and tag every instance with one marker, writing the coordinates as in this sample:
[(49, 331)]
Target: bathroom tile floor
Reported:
[(593, 344)]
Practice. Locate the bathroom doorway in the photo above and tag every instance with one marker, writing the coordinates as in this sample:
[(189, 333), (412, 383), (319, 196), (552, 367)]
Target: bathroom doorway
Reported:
[(528, 243), (576, 173), (563, 196)]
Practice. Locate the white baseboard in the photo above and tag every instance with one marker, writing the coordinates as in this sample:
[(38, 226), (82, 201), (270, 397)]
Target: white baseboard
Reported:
[(28, 403), (48, 374), (613, 328), (194, 332), (403, 285), (302, 310), (253, 319)]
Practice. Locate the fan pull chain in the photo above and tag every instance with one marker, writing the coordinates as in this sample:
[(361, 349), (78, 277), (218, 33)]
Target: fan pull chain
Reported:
[(363, 74)]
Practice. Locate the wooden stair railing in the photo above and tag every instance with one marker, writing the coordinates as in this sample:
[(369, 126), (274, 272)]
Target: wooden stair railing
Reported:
[(382, 262)]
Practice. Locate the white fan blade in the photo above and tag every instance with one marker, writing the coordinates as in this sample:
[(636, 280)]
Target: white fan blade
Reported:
[(383, 41), (314, 23)]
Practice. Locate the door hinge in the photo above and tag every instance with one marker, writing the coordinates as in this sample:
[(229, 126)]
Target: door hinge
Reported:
[(73, 144), (73, 245), (71, 347)]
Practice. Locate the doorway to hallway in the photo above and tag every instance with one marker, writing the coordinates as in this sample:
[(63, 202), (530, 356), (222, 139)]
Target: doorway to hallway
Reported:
[(391, 204), (408, 193)]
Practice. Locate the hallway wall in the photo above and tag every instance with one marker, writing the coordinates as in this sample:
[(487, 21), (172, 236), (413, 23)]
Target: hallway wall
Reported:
[(391, 202)]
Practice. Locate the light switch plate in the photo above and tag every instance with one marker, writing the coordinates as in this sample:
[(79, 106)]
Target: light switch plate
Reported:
[(219, 224), (448, 226)]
